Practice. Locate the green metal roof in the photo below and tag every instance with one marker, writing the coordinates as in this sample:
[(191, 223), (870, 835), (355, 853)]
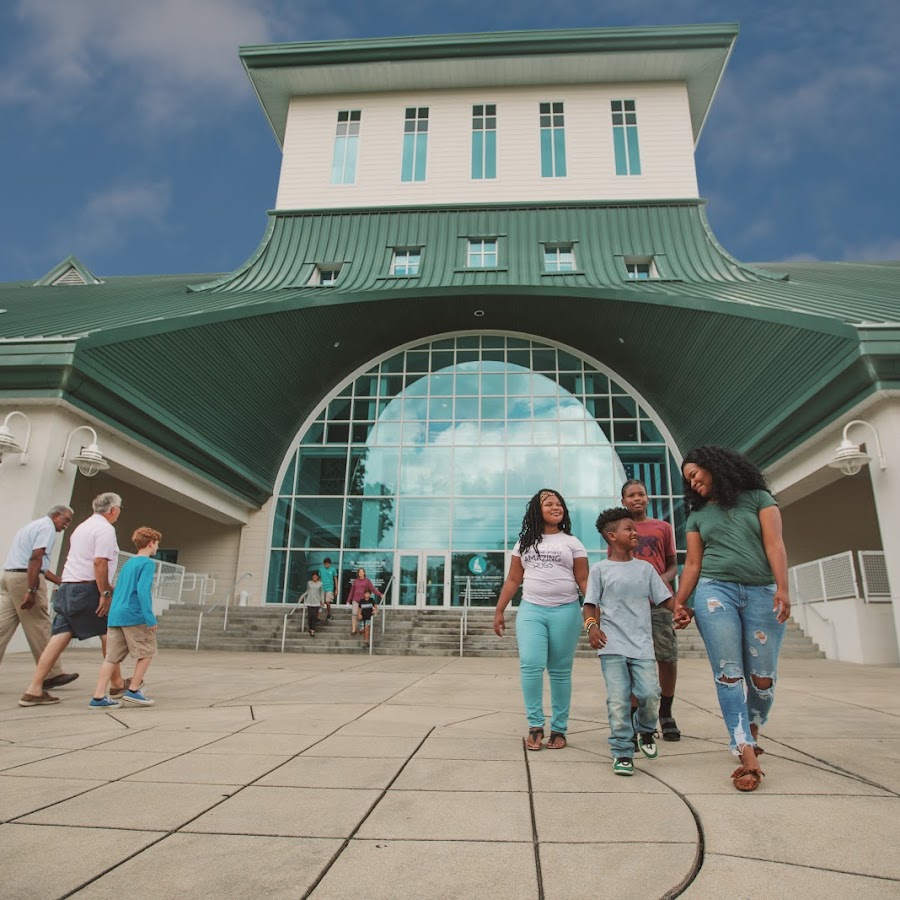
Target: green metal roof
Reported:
[(693, 54), (220, 372)]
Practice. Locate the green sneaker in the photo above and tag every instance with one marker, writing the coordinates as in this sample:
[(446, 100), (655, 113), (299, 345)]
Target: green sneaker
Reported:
[(623, 766)]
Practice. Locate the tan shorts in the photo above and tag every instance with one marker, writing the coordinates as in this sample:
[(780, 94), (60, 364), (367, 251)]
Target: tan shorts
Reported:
[(137, 640), (665, 644)]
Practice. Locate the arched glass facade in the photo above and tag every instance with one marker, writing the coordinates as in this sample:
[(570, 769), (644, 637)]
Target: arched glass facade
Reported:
[(419, 470)]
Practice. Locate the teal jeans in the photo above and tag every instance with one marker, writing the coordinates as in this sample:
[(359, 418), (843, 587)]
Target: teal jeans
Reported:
[(547, 637)]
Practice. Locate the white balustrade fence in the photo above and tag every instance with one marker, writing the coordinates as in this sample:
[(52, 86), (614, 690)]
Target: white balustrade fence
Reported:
[(835, 578), (168, 581)]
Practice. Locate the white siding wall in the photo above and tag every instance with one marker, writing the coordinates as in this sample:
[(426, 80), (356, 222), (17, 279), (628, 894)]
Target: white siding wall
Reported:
[(666, 147)]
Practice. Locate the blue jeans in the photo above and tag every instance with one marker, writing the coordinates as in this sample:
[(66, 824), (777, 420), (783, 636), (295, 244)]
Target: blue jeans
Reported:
[(625, 676), (547, 637), (743, 638)]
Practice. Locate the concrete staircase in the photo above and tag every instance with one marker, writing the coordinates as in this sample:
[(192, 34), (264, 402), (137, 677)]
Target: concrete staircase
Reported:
[(408, 632)]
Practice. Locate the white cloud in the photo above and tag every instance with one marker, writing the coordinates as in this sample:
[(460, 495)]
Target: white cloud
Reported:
[(827, 80), (114, 216), (162, 54), (876, 251)]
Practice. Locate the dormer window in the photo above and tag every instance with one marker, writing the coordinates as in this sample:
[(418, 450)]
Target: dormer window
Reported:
[(640, 268), (559, 258), (482, 253), (325, 275), (406, 261)]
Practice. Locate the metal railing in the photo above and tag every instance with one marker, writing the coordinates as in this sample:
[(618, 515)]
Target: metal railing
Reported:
[(227, 602), (382, 611), (203, 583), (875, 582), (168, 581), (835, 578), (464, 618), (835, 650)]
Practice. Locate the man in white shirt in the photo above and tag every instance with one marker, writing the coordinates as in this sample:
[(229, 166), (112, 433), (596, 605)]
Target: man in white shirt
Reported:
[(23, 592), (84, 595)]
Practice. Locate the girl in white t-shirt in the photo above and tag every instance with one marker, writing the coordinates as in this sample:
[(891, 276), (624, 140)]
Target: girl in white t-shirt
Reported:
[(551, 566)]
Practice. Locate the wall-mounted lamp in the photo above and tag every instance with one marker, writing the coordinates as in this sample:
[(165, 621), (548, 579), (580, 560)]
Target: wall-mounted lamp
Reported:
[(89, 459), (8, 442), (850, 457)]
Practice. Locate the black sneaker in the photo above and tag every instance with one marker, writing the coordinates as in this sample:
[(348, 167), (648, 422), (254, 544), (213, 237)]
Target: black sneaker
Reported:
[(647, 744)]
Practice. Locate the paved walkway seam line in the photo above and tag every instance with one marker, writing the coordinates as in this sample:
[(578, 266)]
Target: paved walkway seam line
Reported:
[(183, 825), (362, 821), (534, 832), (783, 862)]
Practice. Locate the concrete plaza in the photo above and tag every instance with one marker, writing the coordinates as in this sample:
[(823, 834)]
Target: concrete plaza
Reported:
[(333, 776)]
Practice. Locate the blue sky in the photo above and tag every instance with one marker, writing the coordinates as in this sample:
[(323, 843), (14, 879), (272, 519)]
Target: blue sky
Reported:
[(131, 136)]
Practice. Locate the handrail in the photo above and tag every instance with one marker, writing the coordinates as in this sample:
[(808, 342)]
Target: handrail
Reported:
[(287, 616), (384, 597), (464, 618), (227, 598), (834, 636)]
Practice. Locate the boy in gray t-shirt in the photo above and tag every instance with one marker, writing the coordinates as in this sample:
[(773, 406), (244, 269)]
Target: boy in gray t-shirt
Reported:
[(617, 593)]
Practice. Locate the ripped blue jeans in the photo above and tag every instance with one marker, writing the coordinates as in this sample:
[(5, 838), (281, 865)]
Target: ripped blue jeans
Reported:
[(743, 638)]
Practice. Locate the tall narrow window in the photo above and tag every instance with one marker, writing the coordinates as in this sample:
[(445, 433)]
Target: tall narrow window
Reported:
[(482, 253), (625, 137), (415, 144), (346, 147), (484, 141), (553, 140)]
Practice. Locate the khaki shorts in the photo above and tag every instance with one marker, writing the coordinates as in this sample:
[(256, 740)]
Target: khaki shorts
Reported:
[(137, 640), (665, 644)]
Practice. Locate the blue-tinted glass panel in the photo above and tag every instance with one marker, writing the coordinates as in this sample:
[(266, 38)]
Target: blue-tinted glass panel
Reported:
[(421, 153), (559, 152), (424, 524), (409, 149), (479, 472), (531, 468), (370, 523), (322, 471), (620, 151), (490, 155), (479, 524), (374, 471), (634, 156), (316, 522), (546, 153), (425, 471), (477, 154), (275, 587)]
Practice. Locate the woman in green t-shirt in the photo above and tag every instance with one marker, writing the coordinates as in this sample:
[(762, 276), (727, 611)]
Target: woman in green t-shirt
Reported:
[(737, 562)]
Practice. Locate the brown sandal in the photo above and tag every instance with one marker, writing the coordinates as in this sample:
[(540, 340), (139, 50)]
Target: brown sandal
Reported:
[(535, 739), (557, 741), (746, 780)]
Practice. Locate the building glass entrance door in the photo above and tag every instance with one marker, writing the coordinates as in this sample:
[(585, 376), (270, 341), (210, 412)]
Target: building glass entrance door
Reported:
[(422, 579)]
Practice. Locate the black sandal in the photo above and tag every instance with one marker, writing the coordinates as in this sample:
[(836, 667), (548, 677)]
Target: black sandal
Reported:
[(553, 736), (535, 734)]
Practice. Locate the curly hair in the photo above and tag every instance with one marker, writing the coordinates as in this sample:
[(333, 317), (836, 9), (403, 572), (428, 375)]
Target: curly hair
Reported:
[(731, 473), (533, 521), (612, 516)]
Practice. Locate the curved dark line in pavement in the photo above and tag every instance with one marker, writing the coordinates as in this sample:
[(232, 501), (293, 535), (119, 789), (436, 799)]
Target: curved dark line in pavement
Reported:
[(699, 856)]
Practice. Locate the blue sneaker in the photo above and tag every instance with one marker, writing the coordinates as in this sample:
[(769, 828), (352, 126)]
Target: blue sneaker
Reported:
[(137, 697), (103, 703)]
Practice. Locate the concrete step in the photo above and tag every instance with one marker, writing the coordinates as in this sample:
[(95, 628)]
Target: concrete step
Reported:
[(407, 632)]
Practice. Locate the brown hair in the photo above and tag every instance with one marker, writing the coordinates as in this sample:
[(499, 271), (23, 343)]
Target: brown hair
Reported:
[(145, 536)]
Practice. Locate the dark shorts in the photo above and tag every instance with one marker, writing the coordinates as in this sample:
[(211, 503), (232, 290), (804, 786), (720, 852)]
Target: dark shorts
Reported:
[(665, 644), (76, 611)]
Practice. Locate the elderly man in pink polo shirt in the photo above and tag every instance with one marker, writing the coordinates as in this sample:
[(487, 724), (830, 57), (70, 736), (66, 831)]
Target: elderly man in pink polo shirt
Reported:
[(84, 596)]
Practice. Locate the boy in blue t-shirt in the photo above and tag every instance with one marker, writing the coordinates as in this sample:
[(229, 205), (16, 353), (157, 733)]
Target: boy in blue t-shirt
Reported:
[(131, 623), (328, 577), (617, 592)]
